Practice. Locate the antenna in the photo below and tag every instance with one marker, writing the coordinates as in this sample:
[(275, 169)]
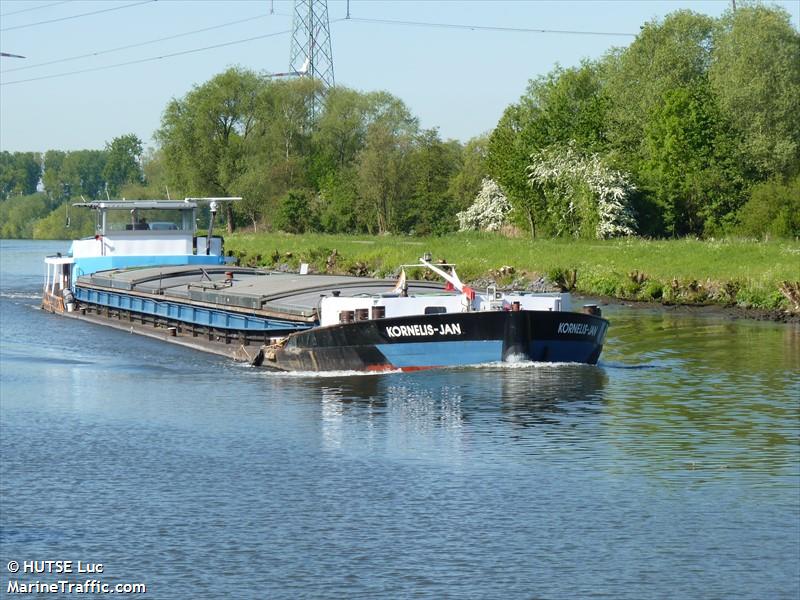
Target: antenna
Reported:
[(310, 54)]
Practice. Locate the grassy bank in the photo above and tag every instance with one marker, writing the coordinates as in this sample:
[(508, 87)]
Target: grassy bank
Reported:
[(728, 272)]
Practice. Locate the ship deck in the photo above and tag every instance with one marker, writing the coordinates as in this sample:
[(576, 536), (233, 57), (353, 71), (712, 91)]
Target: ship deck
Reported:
[(291, 294)]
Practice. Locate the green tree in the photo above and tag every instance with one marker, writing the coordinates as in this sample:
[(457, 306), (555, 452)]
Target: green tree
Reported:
[(696, 110), (772, 210), (295, 214), (565, 106), (19, 173), (755, 76), (18, 215), (681, 169), (8, 174), (283, 127), (510, 147), (203, 135), (430, 209), (390, 112), (572, 106), (52, 179), (383, 165), (383, 178), (82, 170), (472, 169), (666, 55), (64, 223), (338, 201), (276, 153), (260, 192), (153, 184), (123, 166), (340, 131)]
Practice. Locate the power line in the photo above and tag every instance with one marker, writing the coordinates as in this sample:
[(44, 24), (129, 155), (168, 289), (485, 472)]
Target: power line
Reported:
[(487, 27), (144, 60), (95, 12), (129, 46), (16, 12), (259, 37)]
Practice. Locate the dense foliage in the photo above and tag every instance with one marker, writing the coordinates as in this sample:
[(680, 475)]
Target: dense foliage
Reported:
[(692, 130), (18, 215), (697, 111), (38, 189)]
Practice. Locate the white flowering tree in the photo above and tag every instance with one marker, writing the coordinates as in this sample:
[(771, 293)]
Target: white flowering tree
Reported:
[(583, 191), (488, 212)]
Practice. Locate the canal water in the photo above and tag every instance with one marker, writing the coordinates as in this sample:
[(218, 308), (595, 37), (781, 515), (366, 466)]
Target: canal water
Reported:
[(671, 470)]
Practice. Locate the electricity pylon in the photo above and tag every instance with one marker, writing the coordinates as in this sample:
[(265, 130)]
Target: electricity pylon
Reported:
[(310, 54)]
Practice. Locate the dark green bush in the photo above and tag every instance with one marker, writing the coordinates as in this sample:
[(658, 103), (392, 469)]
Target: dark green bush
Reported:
[(295, 212), (773, 210)]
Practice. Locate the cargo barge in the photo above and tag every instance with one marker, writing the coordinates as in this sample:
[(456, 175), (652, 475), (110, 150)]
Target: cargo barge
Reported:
[(147, 272)]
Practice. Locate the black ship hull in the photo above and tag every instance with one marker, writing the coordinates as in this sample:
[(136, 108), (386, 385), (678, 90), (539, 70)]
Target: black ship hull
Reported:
[(441, 340)]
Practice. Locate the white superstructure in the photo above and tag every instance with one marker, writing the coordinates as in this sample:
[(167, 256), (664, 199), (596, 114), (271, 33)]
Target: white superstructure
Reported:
[(337, 309)]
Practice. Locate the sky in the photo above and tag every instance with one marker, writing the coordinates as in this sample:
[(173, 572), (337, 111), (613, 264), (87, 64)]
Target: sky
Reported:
[(456, 79)]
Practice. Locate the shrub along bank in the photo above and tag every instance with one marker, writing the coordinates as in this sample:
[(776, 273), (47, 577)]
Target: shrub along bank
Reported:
[(747, 274)]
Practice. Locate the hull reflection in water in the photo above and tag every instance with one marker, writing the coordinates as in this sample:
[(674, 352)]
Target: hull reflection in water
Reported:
[(450, 404)]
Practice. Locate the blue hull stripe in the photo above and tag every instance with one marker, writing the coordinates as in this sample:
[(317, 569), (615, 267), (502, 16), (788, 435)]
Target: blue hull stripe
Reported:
[(562, 350), (206, 317), (442, 354)]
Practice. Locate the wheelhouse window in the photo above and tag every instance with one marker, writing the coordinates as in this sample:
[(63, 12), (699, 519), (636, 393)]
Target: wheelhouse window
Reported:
[(149, 219)]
